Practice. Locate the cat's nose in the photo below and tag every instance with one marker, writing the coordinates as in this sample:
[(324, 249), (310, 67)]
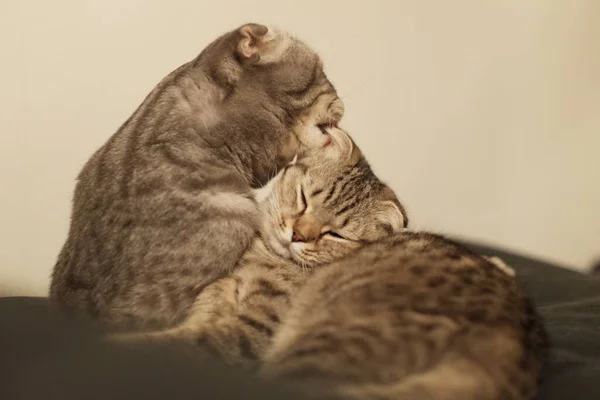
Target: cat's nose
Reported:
[(297, 237), (306, 229)]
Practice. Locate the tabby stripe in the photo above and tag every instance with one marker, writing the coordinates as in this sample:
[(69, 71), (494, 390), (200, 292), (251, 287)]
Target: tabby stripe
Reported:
[(226, 183), (103, 167), (184, 94), (347, 207), (238, 281), (309, 85), (173, 158), (316, 192), (208, 344), (267, 266), (269, 313), (344, 223), (334, 189), (139, 118), (302, 167), (129, 160), (363, 346), (158, 126), (313, 350), (246, 347), (329, 195), (75, 283), (357, 200), (351, 280), (259, 326), (268, 293), (366, 331), (323, 337), (354, 176), (285, 170), (332, 292), (270, 289)]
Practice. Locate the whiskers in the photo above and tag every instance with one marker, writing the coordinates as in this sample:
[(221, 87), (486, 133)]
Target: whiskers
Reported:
[(303, 264), (271, 174), (306, 259)]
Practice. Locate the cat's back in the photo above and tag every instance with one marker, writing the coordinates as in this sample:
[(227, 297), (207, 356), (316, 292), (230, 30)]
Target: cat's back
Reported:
[(412, 316), (130, 201)]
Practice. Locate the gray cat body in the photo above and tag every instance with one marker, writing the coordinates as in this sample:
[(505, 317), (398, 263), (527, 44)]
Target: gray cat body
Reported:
[(165, 206)]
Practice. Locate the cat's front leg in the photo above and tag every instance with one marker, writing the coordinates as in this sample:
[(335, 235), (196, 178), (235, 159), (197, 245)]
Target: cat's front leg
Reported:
[(215, 325), (237, 332), (215, 303)]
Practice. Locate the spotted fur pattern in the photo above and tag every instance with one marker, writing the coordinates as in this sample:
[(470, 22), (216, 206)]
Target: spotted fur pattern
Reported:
[(414, 316)]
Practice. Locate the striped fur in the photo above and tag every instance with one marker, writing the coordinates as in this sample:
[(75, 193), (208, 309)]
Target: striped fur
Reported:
[(165, 206), (413, 316), (237, 316)]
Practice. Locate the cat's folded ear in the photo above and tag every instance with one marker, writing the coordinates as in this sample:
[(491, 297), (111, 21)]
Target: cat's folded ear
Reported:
[(390, 212), (252, 38), (344, 147)]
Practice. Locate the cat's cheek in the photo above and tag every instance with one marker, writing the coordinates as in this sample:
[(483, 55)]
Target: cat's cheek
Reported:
[(297, 248)]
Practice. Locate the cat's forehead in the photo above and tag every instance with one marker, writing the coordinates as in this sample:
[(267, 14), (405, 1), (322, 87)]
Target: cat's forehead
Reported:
[(324, 173), (285, 48)]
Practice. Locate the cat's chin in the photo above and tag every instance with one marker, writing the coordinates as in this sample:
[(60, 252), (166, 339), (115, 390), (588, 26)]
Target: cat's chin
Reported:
[(277, 246)]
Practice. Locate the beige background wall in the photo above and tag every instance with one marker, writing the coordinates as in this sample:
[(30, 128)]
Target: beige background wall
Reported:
[(483, 115)]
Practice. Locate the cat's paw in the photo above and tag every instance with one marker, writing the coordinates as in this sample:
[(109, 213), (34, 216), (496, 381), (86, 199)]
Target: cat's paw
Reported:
[(498, 262)]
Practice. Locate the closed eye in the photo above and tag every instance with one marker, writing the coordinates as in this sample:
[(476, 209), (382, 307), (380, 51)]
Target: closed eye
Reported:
[(302, 203), (303, 199), (324, 127), (334, 234)]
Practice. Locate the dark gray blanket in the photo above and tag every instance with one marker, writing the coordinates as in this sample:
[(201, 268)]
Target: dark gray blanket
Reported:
[(46, 355), (570, 304)]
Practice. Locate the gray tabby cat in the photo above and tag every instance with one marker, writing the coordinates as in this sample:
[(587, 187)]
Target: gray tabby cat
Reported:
[(414, 316), (402, 316), (165, 206), (316, 210)]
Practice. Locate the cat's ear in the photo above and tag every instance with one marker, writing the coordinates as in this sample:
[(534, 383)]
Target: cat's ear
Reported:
[(251, 41), (343, 147), (390, 216), (389, 211)]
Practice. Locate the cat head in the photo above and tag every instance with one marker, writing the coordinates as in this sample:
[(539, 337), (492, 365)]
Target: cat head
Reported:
[(327, 203), (280, 81), (290, 71)]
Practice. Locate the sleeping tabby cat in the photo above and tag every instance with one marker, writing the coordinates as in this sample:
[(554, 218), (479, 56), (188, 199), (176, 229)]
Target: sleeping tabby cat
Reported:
[(406, 315), (316, 210), (413, 316), (165, 206)]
